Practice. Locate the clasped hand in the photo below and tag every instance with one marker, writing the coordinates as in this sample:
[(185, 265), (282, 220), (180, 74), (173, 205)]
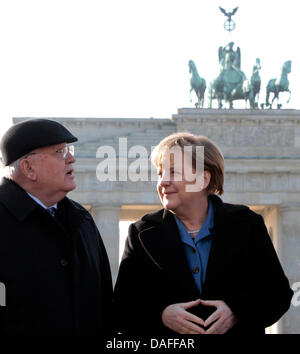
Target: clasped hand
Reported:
[(177, 318)]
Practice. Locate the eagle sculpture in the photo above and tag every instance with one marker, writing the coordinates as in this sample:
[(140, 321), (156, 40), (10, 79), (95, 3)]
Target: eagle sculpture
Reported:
[(229, 14)]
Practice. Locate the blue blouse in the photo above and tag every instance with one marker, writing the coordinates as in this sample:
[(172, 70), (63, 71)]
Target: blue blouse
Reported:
[(197, 249)]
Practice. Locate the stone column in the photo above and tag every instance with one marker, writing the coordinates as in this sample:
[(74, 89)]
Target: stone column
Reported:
[(107, 220), (289, 254)]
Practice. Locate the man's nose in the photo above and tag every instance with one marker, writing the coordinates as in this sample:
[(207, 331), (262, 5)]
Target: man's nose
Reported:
[(70, 158)]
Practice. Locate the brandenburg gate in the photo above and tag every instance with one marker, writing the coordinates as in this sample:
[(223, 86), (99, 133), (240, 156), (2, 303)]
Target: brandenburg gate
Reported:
[(262, 169)]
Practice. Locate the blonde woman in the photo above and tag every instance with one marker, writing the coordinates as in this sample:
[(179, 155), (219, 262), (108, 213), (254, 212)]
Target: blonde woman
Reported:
[(197, 266)]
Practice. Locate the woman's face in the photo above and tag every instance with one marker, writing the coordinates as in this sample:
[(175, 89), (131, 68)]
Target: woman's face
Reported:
[(178, 186)]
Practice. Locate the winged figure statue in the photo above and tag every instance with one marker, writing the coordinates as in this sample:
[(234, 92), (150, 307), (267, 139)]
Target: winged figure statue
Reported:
[(228, 58)]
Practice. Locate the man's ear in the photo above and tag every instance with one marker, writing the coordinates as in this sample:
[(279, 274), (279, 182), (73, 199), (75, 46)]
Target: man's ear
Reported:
[(207, 176), (27, 169)]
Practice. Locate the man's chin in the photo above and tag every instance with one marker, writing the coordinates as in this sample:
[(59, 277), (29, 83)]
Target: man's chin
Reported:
[(70, 187)]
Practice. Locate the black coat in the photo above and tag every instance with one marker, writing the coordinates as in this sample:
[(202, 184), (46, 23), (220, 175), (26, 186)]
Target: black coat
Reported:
[(243, 270), (56, 271)]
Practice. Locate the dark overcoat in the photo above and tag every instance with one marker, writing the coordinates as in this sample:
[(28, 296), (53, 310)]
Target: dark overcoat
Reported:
[(56, 271), (243, 270)]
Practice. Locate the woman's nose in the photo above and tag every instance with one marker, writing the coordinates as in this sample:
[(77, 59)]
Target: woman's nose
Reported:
[(164, 180)]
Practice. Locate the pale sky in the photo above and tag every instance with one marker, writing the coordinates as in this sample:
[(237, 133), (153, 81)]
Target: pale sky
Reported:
[(129, 58)]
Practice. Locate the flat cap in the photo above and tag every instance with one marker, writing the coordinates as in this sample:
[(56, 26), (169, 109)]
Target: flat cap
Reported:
[(28, 135)]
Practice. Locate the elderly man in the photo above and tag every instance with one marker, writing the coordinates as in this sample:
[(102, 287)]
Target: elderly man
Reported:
[(52, 260)]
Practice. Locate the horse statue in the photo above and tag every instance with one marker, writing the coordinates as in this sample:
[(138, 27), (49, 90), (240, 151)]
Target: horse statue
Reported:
[(251, 88), (255, 83), (279, 85), (216, 91), (198, 84), (230, 85)]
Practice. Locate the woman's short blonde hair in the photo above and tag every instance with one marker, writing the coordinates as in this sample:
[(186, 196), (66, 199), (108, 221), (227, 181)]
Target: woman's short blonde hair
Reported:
[(213, 158)]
